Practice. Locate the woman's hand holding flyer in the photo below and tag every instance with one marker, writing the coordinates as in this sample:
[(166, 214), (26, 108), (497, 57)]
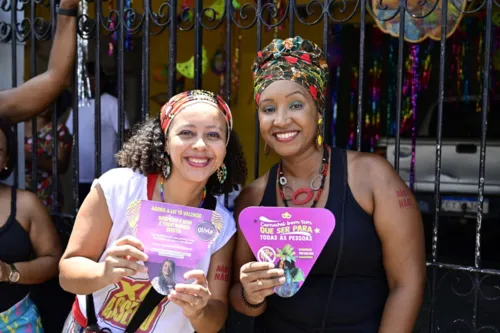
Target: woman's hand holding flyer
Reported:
[(192, 298), (121, 259)]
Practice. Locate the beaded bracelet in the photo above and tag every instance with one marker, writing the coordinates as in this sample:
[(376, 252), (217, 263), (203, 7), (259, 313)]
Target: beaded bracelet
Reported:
[(250, 305)]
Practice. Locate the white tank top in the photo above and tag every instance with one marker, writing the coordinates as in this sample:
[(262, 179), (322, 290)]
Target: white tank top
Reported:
[(116, 303)]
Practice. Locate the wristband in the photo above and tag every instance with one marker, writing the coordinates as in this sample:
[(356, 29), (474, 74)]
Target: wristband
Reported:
[(67, 12), (250, 305)]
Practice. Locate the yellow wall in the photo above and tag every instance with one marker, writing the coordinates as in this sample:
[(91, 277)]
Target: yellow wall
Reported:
[(244, 109)]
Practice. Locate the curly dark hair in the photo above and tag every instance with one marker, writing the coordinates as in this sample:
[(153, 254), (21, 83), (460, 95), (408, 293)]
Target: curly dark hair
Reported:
[(8, 130), (144, 152)]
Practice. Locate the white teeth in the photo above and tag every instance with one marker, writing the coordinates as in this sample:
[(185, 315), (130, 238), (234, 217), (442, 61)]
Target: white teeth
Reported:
[(284, 136), (197, 160)]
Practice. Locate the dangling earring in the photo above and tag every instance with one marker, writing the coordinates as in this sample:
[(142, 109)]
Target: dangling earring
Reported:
[(319, 139), (222, 173), (6, 168), (165, 169), (266, 149)]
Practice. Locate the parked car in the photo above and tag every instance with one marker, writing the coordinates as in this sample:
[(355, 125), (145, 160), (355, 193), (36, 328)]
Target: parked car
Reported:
[(460, 150)]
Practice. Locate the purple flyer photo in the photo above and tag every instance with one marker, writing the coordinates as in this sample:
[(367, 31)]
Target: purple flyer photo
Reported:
[(291, 238), (175, 239)]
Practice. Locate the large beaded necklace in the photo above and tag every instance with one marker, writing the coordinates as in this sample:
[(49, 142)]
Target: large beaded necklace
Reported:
[(309, 192)]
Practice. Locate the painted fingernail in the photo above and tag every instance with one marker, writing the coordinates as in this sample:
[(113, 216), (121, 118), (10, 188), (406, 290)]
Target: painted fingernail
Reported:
[(281, 279)]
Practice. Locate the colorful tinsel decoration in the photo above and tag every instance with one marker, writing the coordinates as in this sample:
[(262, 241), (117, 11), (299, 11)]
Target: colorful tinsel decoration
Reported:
[(414, 94), (83, 84)]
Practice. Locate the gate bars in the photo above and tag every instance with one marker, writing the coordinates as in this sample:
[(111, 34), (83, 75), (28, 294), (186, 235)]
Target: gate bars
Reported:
[(252, 14)]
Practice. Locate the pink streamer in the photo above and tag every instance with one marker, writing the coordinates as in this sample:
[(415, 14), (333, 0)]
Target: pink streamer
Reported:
[(414, 94)]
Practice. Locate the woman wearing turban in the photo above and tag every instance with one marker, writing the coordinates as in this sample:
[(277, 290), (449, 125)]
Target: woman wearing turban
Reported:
[(370, 275)]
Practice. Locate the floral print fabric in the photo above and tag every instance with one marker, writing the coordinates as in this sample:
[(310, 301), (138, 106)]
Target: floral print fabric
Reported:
[(44, 150), (292, 59)]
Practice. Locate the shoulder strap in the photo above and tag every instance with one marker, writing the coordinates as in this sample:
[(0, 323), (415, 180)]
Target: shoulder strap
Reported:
[(269, 197), (13, 204), (152, 298), (91, 319), (342, 231)]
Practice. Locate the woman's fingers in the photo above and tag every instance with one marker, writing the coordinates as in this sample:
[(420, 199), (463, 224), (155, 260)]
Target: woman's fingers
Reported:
[(264, 284), (130, 240), (261, 275), (128, 251), (117, 262)]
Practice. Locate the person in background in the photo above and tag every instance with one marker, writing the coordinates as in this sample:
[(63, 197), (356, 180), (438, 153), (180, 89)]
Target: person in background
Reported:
[(370, 275), (29, 246), (35, 96), (86, 130), (45, 152)]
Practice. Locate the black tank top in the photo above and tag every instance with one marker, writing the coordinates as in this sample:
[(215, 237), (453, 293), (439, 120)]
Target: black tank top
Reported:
[(360, 290), (15, 246)]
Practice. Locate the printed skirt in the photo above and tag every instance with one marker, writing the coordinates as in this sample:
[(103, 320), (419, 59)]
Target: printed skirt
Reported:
[(22, 317)]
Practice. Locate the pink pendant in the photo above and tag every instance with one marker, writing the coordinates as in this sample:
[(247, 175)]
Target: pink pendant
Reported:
[(304, 190)]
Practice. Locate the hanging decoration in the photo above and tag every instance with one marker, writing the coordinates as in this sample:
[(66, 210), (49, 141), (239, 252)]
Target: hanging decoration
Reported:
[(418, 29), (279, 6), (496, 60), (112, 25), (128, 38), (218, 65), (83, 83), (479, 73), (187, 68), (218, 7), (219, 61), (372, 117), (353, 104), (391, 72), (186, 14), (334, 59), (414, 94), (235, 75)]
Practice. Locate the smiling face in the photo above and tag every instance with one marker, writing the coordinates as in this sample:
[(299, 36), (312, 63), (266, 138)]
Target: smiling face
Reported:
[(196, 142), (167, 268), (288, 118)]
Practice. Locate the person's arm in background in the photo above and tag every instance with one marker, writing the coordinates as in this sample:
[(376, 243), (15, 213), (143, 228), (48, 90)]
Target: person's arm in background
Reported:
[(34, 96)]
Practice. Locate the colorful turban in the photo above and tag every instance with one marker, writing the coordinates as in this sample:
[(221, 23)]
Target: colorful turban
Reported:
[(180, 101), (292, 59)]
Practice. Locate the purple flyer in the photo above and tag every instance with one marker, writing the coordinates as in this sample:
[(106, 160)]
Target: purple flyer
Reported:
[(291, 238), (175, 238)]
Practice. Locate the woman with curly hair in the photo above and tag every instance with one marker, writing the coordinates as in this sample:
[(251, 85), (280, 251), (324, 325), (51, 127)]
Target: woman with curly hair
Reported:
[(185, 156)]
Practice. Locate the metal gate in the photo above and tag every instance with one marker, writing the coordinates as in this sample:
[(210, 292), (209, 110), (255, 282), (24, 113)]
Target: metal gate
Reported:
[(141, 20)]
